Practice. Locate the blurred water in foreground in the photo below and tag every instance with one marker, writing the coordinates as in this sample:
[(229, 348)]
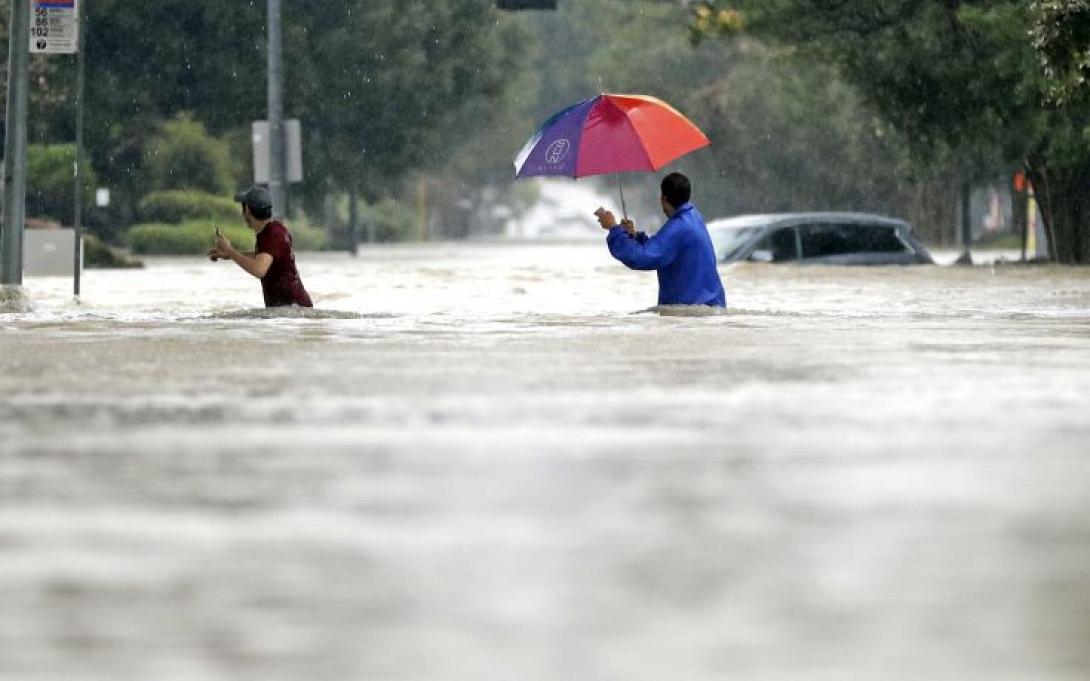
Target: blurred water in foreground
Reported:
[(481, 465)]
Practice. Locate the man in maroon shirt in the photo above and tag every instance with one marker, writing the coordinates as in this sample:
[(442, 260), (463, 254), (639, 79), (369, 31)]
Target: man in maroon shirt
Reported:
[(273, 261)]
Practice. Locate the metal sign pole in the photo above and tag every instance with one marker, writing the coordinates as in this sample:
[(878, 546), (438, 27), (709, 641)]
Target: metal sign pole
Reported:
[(11, 241), (77, 222), (277, 181)]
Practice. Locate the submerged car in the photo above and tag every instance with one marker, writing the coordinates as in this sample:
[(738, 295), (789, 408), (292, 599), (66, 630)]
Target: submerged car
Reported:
[(818, 238)]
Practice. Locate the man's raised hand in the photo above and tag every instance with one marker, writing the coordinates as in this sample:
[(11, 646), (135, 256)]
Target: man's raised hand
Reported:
[(605, 218), (222, 249)]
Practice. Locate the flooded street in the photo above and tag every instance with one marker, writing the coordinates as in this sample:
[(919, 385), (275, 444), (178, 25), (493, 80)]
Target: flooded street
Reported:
[(479, 463)]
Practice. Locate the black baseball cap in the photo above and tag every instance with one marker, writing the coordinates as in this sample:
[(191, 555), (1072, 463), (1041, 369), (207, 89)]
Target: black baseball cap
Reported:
[(256, 197)]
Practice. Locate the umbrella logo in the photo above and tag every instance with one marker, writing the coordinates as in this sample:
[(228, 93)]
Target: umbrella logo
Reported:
[(557, 151)]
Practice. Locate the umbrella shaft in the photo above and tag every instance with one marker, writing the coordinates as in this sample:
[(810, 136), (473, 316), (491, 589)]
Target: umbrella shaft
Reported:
[(624, 208)]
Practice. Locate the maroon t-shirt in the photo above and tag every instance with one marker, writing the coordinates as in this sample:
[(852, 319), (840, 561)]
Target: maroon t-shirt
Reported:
[(281, 284)]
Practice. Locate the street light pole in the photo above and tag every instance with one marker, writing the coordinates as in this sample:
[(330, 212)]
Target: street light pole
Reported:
[(11, 240), (277, 179)]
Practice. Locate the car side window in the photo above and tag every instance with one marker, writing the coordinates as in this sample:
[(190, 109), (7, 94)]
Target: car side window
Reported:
[(781, 244), (822, 240), (882, 239)]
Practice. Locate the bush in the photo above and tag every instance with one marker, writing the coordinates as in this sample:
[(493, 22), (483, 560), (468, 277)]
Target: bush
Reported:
[(195, 237), (176, 206), (184, 156), (51, 184)]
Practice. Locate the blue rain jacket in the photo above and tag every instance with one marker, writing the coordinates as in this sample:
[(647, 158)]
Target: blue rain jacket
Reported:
[(683, 255)]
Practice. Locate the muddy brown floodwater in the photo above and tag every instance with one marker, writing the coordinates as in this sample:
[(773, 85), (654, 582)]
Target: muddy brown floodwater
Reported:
[(477, 463)]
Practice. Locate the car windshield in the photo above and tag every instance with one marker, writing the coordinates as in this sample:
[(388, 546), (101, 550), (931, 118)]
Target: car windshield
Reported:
[(728, 241)]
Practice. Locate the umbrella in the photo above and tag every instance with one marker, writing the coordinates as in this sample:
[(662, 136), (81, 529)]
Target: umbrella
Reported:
[(609, 134)]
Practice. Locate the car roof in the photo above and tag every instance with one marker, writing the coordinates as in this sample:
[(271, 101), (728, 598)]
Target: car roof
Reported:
[(783, 219)]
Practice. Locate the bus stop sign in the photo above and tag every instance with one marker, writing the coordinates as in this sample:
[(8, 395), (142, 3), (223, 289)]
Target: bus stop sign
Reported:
[(54, 26)]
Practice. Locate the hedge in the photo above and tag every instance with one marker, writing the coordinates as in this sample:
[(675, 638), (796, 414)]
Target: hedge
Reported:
[(195, 237), (189, 238)]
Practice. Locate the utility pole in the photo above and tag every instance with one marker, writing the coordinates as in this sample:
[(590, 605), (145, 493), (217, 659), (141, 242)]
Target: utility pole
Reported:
[(77, 218), (11, 241), (277, 158)]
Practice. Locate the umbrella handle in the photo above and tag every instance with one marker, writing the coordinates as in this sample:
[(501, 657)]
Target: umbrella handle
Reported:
[(620, 183)]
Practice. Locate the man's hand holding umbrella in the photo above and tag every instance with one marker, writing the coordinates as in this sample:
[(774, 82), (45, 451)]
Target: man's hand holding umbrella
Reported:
[(608, 221)]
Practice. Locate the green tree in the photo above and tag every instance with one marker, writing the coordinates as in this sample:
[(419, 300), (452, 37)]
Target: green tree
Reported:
[(959, 79), (381, 87), (471, 185), (146, 63), (377, 85), (1061, 35)]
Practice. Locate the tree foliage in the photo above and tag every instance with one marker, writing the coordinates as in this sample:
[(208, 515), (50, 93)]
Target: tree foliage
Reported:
[(378, 86), (1061, 36), (810, 104), (381, 85), (181, 155), (960, 79)]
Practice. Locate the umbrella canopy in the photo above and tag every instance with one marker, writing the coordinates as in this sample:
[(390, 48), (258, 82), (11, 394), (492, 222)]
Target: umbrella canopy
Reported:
[(609, 134)]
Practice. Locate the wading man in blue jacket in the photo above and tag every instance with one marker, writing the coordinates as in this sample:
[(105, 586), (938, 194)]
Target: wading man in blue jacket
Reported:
[(681, 252)]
